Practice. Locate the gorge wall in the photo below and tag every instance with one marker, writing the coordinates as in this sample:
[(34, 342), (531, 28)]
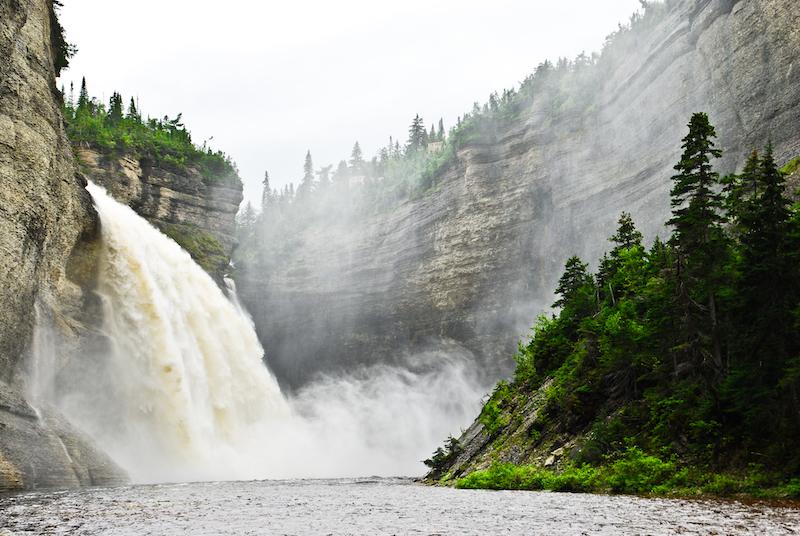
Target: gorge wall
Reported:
[(473, 261), (197, 213), (48, 232)]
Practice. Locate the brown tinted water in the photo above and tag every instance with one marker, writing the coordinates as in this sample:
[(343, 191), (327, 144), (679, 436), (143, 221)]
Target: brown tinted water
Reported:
[(372, 507)]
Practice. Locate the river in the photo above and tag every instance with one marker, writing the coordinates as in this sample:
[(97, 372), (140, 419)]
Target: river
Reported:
[(372, 507)]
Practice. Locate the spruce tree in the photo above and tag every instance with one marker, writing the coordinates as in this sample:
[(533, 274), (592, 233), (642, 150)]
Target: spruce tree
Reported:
[(83, 97), (306, 186), (357, 158), (574, 278), (740, 193), (266, 193), (626, 237), (767, 279), (133, 113), (440, 134), (697, 218), (416, 135), (115, 108)]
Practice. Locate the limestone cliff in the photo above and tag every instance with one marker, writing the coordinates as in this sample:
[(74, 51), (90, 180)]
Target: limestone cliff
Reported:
[(47, 232), (197, 213), (475, 259)]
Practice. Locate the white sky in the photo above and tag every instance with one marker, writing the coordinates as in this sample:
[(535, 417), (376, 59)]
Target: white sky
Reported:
[(269, 80)]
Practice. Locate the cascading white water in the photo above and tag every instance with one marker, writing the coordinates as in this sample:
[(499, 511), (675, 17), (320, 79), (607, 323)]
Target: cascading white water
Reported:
[(180, 392), (186, 366)]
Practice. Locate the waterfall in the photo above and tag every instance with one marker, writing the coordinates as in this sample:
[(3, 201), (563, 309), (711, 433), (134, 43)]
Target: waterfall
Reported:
[(175, 387), (183, 382)]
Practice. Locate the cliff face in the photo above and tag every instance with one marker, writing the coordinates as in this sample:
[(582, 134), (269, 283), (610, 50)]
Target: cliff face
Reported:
[(47, 233), (475, 260), (198, 214)]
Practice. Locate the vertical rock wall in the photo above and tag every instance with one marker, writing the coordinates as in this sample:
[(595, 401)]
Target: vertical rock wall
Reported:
[(47, 229), (475, 260)]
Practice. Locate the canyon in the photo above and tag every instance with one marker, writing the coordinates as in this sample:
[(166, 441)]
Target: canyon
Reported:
[(464, 269)]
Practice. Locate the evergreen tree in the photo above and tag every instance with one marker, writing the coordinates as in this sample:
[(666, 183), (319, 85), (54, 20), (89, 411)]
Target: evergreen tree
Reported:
[(357, 158), (494, 104), (384, 157), (432, 134), (767, 280), (247, 220), (697, 235), (307, 183), (342, 174), (626, 237), (740, 193), (324, 177), (440, 134), (416, 135), (115, 108), (133, 113), (266, 193), (83, 97), (574, 278)]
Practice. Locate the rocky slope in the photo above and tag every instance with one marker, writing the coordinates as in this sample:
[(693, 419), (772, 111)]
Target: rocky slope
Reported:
[(475, 260), (47, 234), (196, 213)]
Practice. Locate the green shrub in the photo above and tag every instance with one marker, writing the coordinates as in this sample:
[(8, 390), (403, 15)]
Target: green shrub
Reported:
[(637, 472), (505, 476)]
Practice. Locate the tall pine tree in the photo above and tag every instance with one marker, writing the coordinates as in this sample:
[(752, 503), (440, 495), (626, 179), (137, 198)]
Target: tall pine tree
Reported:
[(416, 135), (697, 218), (306, 186)]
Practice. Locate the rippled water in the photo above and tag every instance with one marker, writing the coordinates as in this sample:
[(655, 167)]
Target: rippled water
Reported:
[(372, 507)]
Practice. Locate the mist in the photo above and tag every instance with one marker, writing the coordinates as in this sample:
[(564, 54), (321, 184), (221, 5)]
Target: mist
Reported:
[(175, 389), (459, 236)]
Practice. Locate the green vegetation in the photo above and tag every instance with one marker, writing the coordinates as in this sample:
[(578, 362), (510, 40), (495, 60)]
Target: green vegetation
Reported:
[(633, 472), (62, 50), (164, 142), (791, 167), (443, 457), (677, 367), (204, 248)]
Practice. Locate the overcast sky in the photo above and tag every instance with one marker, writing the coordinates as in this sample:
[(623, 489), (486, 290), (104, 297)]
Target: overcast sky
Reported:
[(269, 80)]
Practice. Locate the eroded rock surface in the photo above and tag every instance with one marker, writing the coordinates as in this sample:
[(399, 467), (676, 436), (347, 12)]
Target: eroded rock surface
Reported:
[(198, 214), (48, 230)]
